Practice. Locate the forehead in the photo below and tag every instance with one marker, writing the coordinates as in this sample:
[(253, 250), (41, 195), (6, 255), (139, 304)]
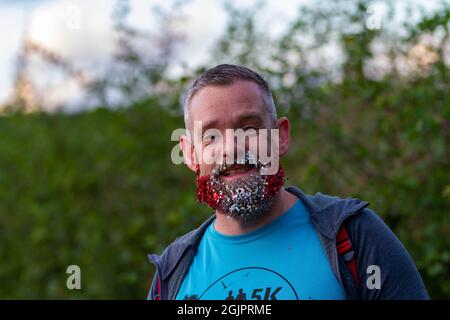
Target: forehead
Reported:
[(227, 104)]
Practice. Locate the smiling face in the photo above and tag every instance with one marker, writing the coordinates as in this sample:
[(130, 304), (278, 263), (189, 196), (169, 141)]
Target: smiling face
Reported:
[(218, 108), (235, 186)]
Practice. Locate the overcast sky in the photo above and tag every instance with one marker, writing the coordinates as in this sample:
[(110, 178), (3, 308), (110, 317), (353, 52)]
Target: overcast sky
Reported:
[(87, 44)]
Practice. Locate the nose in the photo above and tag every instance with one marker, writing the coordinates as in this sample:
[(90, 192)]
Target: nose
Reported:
[(233, 150)]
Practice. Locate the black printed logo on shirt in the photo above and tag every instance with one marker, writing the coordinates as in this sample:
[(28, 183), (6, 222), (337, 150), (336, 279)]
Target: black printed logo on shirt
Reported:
[(250, 283)]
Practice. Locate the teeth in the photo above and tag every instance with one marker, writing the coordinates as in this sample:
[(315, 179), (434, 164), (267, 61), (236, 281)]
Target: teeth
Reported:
[(234, 171)]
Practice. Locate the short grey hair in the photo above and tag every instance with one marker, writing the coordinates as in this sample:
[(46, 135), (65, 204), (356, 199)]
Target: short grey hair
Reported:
[(226, 74)]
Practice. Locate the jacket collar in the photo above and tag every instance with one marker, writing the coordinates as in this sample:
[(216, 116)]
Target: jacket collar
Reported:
[(328, 212), (171, 256)]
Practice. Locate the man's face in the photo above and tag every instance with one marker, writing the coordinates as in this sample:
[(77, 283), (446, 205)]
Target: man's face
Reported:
[(237, 106), (221, 110)]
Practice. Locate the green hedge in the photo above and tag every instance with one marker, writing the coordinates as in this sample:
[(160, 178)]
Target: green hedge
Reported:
[(97, 189)]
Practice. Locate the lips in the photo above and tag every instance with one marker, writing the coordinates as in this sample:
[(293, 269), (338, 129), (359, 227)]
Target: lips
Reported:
[(236, 171)]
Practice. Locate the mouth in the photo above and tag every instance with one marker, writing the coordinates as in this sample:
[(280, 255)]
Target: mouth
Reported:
[(237, 171)]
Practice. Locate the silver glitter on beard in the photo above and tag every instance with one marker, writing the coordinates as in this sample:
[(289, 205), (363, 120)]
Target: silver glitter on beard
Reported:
[(243, 198)]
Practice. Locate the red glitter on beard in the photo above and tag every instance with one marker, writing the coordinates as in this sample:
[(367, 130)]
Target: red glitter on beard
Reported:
[(207, 195)]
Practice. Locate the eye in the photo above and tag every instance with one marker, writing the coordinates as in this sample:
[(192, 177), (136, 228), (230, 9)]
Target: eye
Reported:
[(252, 128), (209, 138)]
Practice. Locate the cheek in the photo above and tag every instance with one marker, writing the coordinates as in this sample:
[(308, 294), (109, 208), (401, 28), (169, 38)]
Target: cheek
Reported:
[(210, 155), (205, 169), (252, 145)]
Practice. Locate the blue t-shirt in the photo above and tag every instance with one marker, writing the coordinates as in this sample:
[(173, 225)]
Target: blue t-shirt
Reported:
[(283, 260)]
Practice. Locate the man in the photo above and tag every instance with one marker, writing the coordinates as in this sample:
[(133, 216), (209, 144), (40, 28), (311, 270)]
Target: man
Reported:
[(266, 241)]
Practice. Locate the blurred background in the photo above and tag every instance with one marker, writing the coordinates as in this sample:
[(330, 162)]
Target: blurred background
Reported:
[(90, 94)]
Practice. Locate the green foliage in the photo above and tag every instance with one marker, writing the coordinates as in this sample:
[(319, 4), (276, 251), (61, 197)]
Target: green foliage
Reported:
[(96, 189)]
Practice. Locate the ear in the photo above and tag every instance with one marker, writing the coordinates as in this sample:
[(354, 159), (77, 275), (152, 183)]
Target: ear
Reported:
[(187, 147), (284, 132)]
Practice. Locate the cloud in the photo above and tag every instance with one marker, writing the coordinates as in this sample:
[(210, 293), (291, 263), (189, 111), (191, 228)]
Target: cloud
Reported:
[(11, 27)]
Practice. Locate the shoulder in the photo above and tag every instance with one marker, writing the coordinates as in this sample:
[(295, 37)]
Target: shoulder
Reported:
[(374, 239), (191, 237), (377, 247), (176, 248)]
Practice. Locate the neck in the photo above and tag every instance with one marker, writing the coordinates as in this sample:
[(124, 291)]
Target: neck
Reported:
[(232, 226)]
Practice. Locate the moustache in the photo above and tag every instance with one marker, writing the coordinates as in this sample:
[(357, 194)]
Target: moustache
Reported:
[(209, 194)]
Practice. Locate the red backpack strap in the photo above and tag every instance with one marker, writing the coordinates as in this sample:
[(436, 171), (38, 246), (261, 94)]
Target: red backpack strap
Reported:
[(158, 297), (345, 250)]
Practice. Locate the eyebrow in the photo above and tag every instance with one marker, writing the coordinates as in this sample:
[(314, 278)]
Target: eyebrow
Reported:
[(212, 124), (246, 117), (251, 116)]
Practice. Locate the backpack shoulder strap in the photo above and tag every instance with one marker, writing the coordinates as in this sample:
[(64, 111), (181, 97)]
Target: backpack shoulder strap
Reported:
[(345, 250), (158, 295)]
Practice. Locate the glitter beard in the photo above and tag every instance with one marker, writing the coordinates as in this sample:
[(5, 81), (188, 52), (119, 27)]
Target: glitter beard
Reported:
[(245, 198)]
